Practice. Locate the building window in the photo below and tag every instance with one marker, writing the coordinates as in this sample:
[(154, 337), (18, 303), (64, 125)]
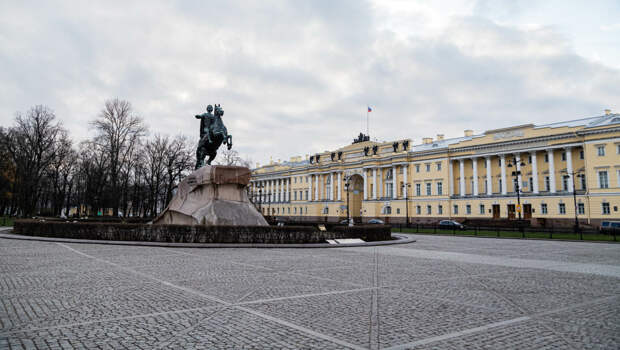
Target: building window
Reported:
[(440, 209), (481, 209), (600, 150), (531, 184), (562, 208), (428, 167), (456, 209), (605, 208), (428, 188), (306, 210), (307, 195), (468, 209), (583, 180), (438, 166), (289, 210), (387, 210), (543, 208), (547, 184), (500, 184), (295, 210), (389, 190), (546, 157), (295, 195), (397, 210), (417, 168), (418, 209), (563, 156), (581, 209), (440, 188), (581, 155), (564, 183), (529, 159), (418, 190), (617, 149), (429, 210), (603, 181)]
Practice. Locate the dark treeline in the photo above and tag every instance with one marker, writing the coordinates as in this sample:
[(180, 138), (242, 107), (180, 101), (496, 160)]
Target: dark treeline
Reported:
[(120, 171)]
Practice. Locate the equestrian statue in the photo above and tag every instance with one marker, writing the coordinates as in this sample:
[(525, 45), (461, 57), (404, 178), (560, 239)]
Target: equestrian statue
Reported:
[(212, 134)]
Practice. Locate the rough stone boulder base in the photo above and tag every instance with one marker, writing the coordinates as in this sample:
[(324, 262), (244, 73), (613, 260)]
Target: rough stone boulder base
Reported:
[(213, 195)]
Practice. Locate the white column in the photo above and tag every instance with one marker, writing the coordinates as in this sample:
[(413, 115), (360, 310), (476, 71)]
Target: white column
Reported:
[(286, 189), (374, 183), (394, 183), (551, 171), (380, 184), (310, 191), (462, 178), (534, 173), (519, 177), (316, 187), (331, 182), (489, 177), (365, 184), (278, 191), (450, 178), (282, 190), (502, 166), (474, 162), (339, 184), (405, 192), (569, 168)]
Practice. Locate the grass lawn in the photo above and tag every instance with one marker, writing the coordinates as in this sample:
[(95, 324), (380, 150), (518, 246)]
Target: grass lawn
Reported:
[(509, 234), (6, 221)]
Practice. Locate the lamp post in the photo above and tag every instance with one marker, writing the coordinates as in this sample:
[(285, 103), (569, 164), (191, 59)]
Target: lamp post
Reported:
[(260, 197), (406, 186), (572, 176), (515, 175), (347, 184)]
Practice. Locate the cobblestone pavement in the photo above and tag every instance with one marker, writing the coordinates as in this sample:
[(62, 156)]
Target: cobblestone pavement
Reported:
[(437, 293)]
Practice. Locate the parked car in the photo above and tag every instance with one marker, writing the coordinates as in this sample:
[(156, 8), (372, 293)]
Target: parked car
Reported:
[(344, 222), (451, 225), (610, 226), (376, 221)]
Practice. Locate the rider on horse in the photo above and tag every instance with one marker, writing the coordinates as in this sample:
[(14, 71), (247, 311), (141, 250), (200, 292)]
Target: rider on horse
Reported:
[(212, 134)]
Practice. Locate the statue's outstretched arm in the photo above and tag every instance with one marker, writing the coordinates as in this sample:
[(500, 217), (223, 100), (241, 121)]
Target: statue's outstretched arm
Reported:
[(198, 116)]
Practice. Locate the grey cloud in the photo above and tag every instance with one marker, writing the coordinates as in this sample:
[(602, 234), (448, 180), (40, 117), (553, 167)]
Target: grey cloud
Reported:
[(293, 77)]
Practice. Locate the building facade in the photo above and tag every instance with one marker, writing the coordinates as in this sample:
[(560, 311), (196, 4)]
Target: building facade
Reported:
[(477, 176)]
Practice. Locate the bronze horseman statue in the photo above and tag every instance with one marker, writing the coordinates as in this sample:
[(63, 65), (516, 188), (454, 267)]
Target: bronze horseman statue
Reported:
[(212, 134)]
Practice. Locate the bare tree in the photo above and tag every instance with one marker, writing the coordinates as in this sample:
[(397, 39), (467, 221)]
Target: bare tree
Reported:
[(178, 161), (118, 132), (32, 145)]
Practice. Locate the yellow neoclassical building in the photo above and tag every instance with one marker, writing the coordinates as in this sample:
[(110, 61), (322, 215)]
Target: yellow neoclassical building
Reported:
[(473, 177)]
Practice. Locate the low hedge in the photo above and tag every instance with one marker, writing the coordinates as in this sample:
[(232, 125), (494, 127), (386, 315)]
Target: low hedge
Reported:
[(196, 234)]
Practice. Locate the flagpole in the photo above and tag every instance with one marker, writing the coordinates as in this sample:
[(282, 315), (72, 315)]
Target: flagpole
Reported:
[(367, 132)]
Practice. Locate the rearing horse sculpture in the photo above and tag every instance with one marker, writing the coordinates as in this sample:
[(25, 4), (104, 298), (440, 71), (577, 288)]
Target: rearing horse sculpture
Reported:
[(212, 134)]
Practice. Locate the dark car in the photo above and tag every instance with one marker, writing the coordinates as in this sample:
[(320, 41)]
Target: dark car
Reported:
[(344, 222), (376, 221), (451, 225)]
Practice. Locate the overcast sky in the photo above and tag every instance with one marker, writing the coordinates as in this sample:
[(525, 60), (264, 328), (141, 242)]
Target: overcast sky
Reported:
[(295, 77)]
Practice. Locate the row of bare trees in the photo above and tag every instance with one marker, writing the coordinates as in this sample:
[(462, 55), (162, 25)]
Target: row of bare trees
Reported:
[(120, 168)]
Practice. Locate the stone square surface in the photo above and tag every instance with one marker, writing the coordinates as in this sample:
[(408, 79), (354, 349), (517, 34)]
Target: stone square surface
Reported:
[(437, 293)]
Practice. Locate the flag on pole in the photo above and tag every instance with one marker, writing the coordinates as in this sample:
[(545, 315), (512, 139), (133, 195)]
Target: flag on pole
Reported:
[(369, 109)]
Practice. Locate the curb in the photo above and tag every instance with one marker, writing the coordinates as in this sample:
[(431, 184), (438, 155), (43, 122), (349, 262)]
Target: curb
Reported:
[(400, 239)]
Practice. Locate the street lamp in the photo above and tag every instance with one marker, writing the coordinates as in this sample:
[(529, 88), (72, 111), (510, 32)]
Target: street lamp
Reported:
[(572, 175), (515, 175), (406, 187), (346, 187)]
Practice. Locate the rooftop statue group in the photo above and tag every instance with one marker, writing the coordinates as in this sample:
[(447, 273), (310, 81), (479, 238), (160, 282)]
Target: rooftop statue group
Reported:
[(212, 134)]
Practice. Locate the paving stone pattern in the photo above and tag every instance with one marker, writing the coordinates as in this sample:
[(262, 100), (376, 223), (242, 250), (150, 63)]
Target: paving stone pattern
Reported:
[(437, 293)]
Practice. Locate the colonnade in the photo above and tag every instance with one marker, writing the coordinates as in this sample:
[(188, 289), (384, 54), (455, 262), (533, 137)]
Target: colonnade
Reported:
[(514, 159)]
